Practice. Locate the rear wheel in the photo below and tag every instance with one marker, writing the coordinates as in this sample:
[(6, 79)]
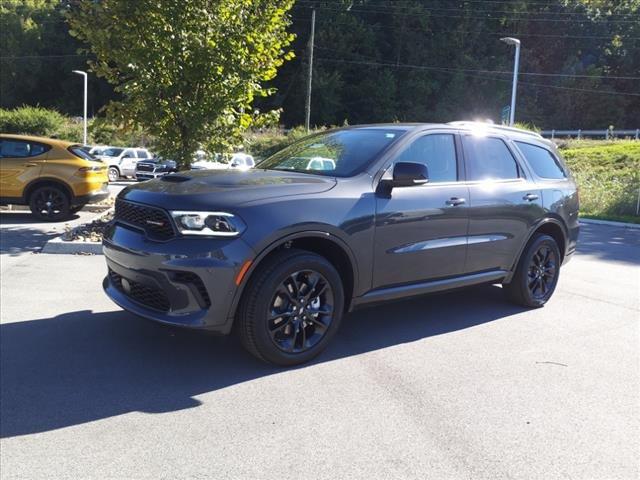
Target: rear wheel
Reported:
[(291, 308), (50, 203), (537, 273), (114, 174)]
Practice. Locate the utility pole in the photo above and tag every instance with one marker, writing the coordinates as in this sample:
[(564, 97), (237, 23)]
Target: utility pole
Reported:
[(310, 71), (84, 127), (515, 42)]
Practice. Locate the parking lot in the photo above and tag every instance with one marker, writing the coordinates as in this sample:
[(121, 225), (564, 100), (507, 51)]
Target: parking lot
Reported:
[(462, 385)]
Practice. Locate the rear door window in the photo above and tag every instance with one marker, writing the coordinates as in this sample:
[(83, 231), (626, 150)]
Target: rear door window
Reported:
[(488, 158), (10, 148), (544, 163)]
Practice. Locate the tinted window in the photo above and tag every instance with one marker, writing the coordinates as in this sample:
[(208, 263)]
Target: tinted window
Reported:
[(21, 149), (542, 161), (438, 153), (340, 153), (488, 159), (112, 152), (81, 152), (142, 154)]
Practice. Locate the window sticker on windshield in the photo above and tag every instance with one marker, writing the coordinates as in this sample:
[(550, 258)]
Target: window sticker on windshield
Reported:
[(390, 135)]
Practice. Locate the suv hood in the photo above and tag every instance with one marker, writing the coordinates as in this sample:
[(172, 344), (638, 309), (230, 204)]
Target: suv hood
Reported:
[(214, 189)]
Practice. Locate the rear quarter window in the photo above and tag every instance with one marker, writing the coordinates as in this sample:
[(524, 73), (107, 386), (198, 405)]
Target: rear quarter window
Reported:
[(543, 162)]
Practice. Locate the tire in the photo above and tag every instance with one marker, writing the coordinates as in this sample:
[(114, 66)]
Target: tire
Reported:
[(304, 327), (50, 203), (537, 273), (75, 209), (114, 174)]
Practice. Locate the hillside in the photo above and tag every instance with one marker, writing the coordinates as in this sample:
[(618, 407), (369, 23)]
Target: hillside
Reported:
[(608, 174)]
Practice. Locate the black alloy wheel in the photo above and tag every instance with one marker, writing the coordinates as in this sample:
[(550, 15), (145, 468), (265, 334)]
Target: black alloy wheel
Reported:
[(536, 275), (50, 203), (542, 271), (290, 308), (301, 311)]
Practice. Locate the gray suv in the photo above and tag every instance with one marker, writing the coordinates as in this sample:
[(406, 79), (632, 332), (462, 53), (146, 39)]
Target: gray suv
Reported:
[(280, 252)]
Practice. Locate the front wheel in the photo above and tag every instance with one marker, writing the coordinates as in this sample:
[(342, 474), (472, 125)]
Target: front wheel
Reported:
[(114, 174), (50, 203), (537, 273), (291, 308)]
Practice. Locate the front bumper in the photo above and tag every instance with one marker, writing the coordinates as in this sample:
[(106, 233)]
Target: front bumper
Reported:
[(186, 282), (140, 176)]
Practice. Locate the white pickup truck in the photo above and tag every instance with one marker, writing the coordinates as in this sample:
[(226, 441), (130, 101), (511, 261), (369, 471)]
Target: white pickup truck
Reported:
[(122, 161)]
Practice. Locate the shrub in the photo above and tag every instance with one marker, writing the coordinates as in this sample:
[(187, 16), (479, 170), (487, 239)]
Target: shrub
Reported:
[(32, 121), (608, 175)]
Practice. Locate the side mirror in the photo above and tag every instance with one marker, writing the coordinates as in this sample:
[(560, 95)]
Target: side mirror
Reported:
[(409, 174)]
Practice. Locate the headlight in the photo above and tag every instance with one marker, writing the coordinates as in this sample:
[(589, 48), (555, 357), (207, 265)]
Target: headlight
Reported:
[(218, 224)]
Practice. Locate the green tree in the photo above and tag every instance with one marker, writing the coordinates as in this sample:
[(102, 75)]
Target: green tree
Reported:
[(187, 72), (37, 56)]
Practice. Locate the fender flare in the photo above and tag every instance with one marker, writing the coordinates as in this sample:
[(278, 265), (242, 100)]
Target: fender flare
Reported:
[(532, 231), (257, 260)]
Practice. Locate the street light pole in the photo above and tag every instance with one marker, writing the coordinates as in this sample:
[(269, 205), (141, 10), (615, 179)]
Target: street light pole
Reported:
[(84, 129), (514, 88), (307, 109)]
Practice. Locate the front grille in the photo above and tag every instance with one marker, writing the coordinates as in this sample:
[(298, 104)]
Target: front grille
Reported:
[(154, 221), (145, 167), (193, 280), (148, 296)]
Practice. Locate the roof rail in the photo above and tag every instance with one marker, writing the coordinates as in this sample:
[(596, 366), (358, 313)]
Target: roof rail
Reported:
[(491, 126)]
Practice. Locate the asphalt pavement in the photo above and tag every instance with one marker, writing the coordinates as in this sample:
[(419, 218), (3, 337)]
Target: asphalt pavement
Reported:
[(455, 386)]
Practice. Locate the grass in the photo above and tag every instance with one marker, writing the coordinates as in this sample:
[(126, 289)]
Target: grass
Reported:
[(608, 175)]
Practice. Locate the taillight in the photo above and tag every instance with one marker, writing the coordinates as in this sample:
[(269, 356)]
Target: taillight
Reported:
[(86, 171)]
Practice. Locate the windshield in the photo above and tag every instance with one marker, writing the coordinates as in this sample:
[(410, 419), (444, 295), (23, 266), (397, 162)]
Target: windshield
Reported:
[(112, 152), (339, 153)]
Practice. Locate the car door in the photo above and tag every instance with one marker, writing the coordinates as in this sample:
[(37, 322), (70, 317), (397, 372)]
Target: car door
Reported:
[(421, 230), (128, 162), (504, 203), (20, 162)]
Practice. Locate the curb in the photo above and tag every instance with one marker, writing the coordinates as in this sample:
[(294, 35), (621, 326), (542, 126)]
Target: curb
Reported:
[(74, 247), (86, 208), (58, 246), (610, 223)]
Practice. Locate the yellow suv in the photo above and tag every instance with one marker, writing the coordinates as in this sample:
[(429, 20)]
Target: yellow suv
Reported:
[(54, 178)]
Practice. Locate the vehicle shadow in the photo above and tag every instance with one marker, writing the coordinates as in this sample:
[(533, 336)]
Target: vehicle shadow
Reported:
[(26, 218), (23, 232), (82, 366)]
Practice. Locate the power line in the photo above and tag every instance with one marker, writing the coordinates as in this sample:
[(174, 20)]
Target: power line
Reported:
[(466, 17), (443, 70), (36, 57), (482, 32), (500, 72), (396, 7)]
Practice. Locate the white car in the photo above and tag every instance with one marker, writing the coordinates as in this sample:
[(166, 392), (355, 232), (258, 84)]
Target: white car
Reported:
[(242, 161), (239, 161), (122, 161)]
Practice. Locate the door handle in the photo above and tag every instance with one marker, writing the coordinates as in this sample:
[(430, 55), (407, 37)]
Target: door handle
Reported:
[(455, 201), (530, 197), (30, 164)]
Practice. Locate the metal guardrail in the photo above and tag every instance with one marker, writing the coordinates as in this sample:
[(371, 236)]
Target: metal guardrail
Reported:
[(607, 134)]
